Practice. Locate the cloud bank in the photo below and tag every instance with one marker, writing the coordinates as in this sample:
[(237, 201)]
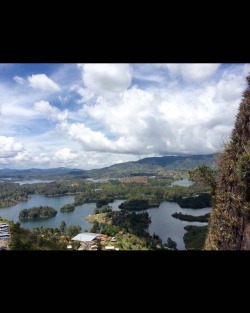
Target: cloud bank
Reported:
[(94, 115)]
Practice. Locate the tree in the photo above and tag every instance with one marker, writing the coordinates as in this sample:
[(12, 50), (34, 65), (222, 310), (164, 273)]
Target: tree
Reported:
[(98, 243), (229, 224), (204, 175), (171, 244), (63, 227), (95, 228), (73, 230)]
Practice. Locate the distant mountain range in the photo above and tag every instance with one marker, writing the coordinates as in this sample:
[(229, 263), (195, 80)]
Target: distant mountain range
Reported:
[(41, 173), (154, 166), (147, 167)]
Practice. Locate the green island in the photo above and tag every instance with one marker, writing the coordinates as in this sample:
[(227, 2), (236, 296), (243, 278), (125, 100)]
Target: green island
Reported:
[(11, 194), (200, 201), (195, 237), (37, 212), (68, 207), (192, 218), (134, 205)]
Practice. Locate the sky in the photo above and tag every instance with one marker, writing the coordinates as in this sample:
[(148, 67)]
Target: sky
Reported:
[(95, 115)]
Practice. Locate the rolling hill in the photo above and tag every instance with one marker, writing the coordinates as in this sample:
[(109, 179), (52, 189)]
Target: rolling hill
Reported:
[(146, 167)]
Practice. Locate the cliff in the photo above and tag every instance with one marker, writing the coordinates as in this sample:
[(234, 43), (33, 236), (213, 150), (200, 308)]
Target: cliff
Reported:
[(229, 225)]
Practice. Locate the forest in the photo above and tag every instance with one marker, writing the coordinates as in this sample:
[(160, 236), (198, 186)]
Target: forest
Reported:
[(191, 218), (200, 201), (68, 208), (195, 237), (154, 191)]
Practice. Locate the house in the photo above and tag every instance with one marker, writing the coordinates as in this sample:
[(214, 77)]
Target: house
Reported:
[(87, 240), (109, 248), (86, 237)]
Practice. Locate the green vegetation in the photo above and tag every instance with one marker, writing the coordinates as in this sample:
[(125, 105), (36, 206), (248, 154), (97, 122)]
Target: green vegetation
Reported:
[(37, 212), (11, 194), (203, 200), (73, 230), (129, 229), (39, 239), (103, 209), (139, 196), (171, 244), (155, 166), (191, 218), (134, 205), (43, 174), (195, 237), (102, 202), (68, 207), (230, 217), (204, 176), (63, 227), (57, 188), (154, 191), (160, 166)]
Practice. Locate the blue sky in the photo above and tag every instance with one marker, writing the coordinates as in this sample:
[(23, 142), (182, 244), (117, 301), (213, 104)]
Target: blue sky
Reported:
[(94, 115)]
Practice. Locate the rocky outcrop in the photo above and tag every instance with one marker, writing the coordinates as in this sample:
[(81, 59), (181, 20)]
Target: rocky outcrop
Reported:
[(229, 225)]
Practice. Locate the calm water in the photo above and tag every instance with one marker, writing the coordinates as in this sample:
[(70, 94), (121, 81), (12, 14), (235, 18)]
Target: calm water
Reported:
[(35, 181), (163, 224), (183, 182)]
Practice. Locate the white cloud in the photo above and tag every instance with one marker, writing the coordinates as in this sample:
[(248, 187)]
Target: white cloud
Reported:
[(116, 120), (163, 120), (195, 72), (50, 112), (246, 69), (106, 80), (65, 154), (43, 82), (85, 93), (9, 147), (19, 80), (90, 140), (229, 87)]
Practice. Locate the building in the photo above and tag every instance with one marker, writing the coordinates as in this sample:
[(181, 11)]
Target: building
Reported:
[(86, 237)]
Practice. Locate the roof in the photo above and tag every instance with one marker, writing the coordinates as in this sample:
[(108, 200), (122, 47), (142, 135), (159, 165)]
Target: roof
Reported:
[(86, 236), (109, 248)]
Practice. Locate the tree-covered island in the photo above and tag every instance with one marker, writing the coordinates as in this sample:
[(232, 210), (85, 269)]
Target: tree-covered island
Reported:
[(37, 212)]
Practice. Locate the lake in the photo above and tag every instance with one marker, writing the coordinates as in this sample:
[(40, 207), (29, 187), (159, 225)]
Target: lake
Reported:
[(35, 181), (182, 182), (162, 223)]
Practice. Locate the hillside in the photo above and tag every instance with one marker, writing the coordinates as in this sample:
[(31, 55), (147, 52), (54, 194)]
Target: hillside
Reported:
[(35, 173), (143, 167), (229, 225), (154, 166)]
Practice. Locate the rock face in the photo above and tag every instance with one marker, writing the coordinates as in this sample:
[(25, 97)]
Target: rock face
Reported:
[(229, 225), (246, 238)]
